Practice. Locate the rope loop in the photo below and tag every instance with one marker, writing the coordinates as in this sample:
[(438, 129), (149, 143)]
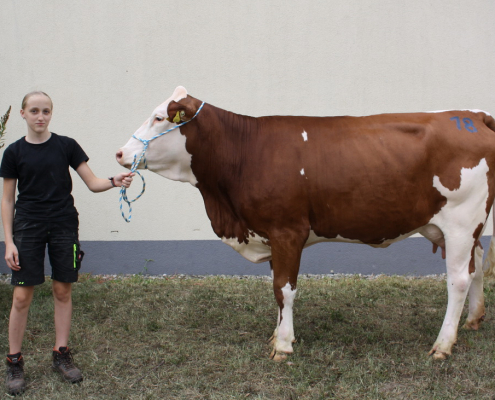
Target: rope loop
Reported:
[(123, 197)]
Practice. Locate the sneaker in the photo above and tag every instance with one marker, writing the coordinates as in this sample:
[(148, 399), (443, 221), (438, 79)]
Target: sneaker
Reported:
[(15, 374), (64, 364)]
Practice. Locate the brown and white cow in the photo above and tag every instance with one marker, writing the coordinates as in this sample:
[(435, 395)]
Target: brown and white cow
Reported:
[(275, 185)]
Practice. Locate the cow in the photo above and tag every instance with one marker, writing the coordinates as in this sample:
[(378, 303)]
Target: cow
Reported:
[(277, 184)]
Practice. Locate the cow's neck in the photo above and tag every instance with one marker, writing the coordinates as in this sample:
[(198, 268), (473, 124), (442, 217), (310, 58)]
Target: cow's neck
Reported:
[(220, 143)]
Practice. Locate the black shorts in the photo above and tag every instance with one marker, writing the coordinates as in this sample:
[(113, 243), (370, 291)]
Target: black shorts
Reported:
[(64, 251)]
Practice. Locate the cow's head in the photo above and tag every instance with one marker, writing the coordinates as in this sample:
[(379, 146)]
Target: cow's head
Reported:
[(165, 155)]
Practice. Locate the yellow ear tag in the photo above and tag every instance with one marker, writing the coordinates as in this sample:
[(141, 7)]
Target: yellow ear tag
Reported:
[(177, 118)]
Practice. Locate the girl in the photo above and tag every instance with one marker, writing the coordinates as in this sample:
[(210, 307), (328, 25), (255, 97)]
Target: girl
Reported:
[(38, 164)]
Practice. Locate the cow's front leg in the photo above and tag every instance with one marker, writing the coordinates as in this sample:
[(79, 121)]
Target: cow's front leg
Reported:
[(458, 282), (283, 335), (286, 257)]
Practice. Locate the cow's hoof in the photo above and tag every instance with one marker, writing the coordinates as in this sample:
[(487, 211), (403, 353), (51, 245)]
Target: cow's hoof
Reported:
[(471, 326), (278, 356), (474, 325), (438, 355)]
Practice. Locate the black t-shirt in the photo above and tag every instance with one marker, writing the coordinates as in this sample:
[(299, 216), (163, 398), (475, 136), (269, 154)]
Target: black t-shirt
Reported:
[(43, 178)]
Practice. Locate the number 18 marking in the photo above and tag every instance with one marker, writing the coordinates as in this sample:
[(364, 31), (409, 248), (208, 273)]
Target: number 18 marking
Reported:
[(468, 124)]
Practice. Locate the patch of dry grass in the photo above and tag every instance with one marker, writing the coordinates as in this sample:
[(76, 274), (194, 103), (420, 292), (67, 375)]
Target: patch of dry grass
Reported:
[(141, 338)]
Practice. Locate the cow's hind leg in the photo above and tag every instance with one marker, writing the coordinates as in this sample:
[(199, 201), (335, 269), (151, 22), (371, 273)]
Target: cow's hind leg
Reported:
[(286, 257), (476, 296), (458, 283)]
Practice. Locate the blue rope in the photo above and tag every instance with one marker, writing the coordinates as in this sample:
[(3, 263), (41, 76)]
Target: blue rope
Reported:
[(146, 142)]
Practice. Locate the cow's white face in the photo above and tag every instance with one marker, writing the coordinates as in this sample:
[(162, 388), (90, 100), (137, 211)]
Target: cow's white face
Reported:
[(165, 155)]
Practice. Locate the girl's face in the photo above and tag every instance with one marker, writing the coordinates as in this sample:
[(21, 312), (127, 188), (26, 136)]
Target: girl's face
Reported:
[(37, 113)]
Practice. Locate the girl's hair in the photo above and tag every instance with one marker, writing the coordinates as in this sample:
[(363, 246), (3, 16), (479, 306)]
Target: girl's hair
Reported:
[(26, 98)]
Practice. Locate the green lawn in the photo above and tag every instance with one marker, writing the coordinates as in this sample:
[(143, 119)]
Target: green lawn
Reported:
[(205, 338)]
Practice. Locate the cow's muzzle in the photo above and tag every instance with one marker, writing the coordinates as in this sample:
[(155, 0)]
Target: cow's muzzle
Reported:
[(120, 159)]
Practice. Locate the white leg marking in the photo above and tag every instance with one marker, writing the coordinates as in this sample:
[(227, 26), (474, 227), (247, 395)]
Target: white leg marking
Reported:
[(285, 330), (305, 136), (457, 287)]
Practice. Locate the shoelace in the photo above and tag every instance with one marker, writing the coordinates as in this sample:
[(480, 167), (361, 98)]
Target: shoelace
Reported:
[(66, 360), (15, 370)]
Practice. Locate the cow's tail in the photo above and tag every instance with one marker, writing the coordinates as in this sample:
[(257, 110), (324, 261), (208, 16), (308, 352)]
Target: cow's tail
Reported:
[(489, 121), (489, 263)]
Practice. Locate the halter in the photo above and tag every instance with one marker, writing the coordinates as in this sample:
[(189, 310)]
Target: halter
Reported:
[(146, 142)]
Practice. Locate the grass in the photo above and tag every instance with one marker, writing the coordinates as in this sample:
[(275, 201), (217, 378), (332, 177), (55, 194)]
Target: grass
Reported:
[(143, 338)]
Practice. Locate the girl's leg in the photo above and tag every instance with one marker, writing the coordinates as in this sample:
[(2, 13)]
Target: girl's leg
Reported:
[(62, 357), (62, 296), (23, 295)]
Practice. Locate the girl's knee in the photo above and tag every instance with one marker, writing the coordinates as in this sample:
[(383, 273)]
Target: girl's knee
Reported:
[(62, 291), (22, 297)]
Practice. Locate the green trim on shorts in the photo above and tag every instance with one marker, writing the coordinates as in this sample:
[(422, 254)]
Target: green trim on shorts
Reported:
[(75, 255)]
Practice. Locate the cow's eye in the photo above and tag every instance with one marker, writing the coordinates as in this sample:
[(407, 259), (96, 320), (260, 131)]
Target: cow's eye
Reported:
[(159, 119)]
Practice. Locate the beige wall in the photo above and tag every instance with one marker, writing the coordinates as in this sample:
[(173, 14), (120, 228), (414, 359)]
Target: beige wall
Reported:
[(108, 63)]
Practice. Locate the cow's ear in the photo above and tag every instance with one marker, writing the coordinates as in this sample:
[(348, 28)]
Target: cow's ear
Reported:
[(180, 112)]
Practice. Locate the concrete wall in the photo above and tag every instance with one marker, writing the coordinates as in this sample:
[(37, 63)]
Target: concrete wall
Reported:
[(107, 64)]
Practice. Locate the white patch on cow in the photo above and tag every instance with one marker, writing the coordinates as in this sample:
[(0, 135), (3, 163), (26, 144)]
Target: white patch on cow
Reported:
[(466, 206), (167, 156), (302, 171), (439, 111), (305, 136), (256, 251), (478, 111), (285, 331)]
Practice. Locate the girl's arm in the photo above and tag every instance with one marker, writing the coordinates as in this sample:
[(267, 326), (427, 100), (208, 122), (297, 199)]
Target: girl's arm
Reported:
[(96, 184), (8, 203)]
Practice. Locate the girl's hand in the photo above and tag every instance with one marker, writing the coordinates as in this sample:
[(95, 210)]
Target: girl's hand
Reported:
[(123, 179), (12, 257)]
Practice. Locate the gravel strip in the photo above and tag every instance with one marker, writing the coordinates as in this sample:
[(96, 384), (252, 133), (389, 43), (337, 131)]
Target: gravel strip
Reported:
[(5, 278)]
